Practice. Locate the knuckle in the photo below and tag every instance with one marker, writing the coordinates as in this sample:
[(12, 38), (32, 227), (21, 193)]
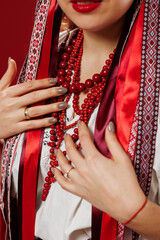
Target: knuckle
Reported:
[(31, 125), (83, 136), (4, 94), (29, 84), (92, 158), (35, 95)]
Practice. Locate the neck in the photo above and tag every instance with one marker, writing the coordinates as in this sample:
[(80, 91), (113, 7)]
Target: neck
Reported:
[(97, 43)]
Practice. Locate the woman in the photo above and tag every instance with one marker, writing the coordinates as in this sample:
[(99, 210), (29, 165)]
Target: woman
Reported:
[(98, 85)]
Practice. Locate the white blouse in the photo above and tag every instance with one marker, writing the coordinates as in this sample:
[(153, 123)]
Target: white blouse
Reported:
[(64, 216)]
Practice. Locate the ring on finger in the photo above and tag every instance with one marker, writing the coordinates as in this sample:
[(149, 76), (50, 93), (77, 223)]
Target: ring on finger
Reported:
[(67, 173), (26, 113)]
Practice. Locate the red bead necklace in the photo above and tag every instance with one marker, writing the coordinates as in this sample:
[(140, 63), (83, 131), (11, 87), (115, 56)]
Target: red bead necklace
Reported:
[(68, 76)]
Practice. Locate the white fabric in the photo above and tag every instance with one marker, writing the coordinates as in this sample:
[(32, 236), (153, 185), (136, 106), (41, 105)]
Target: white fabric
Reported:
[(64, 216)]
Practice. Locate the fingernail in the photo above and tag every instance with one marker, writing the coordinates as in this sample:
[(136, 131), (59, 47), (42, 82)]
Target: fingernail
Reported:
[(111, 127), (52, 120), (79, 123), (9, 60), (55, 152), (62, 90), (53, 80), (63, 105), (52, 170)]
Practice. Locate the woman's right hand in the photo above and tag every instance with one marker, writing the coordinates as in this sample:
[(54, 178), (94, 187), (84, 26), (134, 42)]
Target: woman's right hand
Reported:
[(14, 99)]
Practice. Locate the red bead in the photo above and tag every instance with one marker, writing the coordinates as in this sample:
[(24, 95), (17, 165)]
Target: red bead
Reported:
[(96, 78), (65, 56), (61, 72), (76, 130), (83, 106), (92, 97), (56, 163), (60, 80), (69, 49), (47, 185), (69, 73), (44, 197), (64, 152), (51, 150), (90, 110), (66, 85), (52, 132), (54, 115), (52, 138), (52, 163), (108, 62), (73, 54), (63, 64), (50, 174), (71, 61), (74, 137), (81, 118), (98, 99), (111, 56), (70, 66), (104, 72), (74, 41), (47, 179), (45, 191), (51, 144), (80, 87), (72, 88), (104, 79), (88, 83)]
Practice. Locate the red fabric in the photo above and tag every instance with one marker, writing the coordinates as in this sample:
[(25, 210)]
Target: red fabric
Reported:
[(2, 227), (33, 138), (126, 95), (128, 82), (16, 22)]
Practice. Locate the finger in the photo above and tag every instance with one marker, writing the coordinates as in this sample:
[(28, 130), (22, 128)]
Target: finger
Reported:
[(65, 165), (42, 110), (113, 144), (86, 140), (24, 88), (9, 75), (63, 182), (72, 152), (35, 124), (37, 96)]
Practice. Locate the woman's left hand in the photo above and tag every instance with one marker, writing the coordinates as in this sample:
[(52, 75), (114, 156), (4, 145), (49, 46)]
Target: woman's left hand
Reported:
[(109, 184)]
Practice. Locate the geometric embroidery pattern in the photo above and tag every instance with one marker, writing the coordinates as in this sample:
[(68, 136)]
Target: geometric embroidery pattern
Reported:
[(148, 96)]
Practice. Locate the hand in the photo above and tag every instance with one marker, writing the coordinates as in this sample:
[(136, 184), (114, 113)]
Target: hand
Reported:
[(109, 184), (14, 99)]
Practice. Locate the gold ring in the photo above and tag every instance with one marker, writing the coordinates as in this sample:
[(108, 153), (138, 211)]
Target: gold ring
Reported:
[(67, 173), (26, 114)]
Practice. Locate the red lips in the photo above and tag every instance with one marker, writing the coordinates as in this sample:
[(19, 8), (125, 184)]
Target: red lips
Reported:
[(86, 7)]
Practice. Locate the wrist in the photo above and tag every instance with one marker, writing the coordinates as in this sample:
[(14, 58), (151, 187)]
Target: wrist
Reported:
[(136, 213)]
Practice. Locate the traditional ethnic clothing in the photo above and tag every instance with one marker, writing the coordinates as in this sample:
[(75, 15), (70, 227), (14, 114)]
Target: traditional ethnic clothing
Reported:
[(131, 99)]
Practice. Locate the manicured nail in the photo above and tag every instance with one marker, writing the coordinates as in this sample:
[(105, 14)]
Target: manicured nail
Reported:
[(55, 152), (111, 127), (63, 105), (52, 170), (62, 90), (79, 123), (52, 120), (53, 80), (9, 60)]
